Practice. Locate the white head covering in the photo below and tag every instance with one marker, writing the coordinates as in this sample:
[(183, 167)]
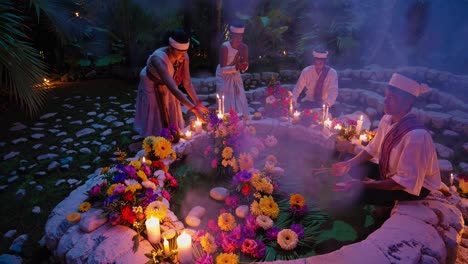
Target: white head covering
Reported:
[(320, 54), (178, 45), (237, 30), (408, 85)]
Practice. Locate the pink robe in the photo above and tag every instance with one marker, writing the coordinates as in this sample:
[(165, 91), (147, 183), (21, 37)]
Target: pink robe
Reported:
[(148, 111)]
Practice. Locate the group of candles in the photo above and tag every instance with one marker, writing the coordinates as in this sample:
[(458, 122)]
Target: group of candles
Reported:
[(184, 241), (328, 123), (220, 105)]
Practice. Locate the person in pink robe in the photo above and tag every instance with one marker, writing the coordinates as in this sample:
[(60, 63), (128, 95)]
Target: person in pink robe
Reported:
[(159, 98)]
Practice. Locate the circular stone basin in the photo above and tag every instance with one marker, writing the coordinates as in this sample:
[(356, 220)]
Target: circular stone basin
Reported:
[(417, 232)]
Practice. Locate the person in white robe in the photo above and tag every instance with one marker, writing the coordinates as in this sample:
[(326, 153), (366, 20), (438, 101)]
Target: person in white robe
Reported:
[(407, 161), (320, 82), (233, 59), (159, 98)]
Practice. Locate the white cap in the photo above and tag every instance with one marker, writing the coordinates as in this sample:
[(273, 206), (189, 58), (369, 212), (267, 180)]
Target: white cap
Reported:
[(178, 45), (408, 85), (320, 54), (237, 30)]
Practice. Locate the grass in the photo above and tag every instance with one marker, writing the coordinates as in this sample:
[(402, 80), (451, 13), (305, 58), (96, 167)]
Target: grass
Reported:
[(17, 213)]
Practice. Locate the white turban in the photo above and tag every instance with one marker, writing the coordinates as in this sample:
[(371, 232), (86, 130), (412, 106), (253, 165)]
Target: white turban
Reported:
[(320, 54), (237, 30), (178, 45), (408, 85)]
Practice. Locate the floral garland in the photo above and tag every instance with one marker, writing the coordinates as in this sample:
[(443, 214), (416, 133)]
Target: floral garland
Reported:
[(278, 100)]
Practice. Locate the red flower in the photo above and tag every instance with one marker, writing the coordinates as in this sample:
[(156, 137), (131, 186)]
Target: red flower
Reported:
[(129, 197), (154, 180), (127, 214), (245, 189), (159, 165)]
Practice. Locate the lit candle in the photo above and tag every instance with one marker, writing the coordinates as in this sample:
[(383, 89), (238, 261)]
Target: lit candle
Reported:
[(198, 126), (338, 127), (451, 179), (188, 134), (326, 111), (222, 104), (359, 125), (219, 103), (220, 115), (167, 251), (328, 122), (297, 114), (143, 160), (153, 230), (184, 248), (323, 113), (363, 138), (291, 107)]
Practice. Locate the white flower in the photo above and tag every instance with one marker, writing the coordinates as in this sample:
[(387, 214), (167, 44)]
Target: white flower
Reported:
[(160, 175), (264, 221), (130, 182), (149, 184)]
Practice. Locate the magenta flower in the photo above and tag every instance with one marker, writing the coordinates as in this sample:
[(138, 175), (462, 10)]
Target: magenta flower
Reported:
[(214, 163), (166, 195), (95, 190), (213, 226), (260, 251), (207, 151), (249, 246), (298, 229), (272, 233), (232, 201), (205, 259), (115, 219)]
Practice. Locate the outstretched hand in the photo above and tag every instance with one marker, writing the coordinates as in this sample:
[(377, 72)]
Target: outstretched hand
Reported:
[(340, 168)]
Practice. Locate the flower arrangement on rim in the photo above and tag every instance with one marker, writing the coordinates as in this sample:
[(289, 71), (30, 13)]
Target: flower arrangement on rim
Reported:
[(309, 117), (158, 148), (277, 101), (132, 191), (346, 129), (172, 133), (233, 145)]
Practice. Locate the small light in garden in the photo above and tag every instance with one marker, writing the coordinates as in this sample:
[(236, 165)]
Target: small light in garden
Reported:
[(451, 179), (363, 138), (77, 14), (198, 126), (285, 53), (143, 160), (338, 127)]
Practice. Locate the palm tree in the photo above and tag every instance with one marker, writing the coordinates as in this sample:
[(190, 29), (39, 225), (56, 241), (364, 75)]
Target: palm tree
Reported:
[(22, 70)]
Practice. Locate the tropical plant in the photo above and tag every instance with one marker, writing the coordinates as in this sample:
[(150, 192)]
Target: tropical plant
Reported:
[(22, 70)]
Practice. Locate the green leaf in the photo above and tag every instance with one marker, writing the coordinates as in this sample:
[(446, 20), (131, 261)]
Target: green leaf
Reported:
[(340, 231), (265, 20), (369, 221), (136, 242)]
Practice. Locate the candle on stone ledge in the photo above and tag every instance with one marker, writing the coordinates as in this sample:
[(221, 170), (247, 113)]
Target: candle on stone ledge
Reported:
[(359, 125), (362, 138), (338, 127), (219, 103), (222, 104), (153, 230), (220, 116), (323, 114), (328, 123), (451, 179), (143, 160), (167, 251), (184, 248), (188, 135), (198, 126)]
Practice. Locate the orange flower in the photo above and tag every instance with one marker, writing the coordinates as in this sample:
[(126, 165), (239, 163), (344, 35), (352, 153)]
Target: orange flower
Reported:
[(287, 239), (297, 200), (226, 222), (246, 161), (74, 217)]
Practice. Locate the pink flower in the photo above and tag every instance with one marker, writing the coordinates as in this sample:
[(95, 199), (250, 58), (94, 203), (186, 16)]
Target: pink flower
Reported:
[(166, 195), (249, 246), (213, 226), (214, 163), (232, 201), (207, 151), (95, 190)]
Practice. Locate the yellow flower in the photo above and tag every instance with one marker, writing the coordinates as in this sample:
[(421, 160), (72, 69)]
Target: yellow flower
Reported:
[(227, 152), (287, 239), (104, 170), (269, 207), (256, 180), (255, 208), (257, 115), (246, 161), (156, 209), (297, 200), (208, 243), (265, 186), (142, 175), (74, 217), (84, 207), (111, 189), (148, 144), (269, 168), (234, 165), (264, 222), (162, 147), (227, 258), (135, 163), (173, 155), (133, 187), (226, 222), (137, 209)]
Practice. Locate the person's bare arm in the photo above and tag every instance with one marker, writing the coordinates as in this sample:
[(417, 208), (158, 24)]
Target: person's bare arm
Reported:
[(387, 184), (223, 52), (160, 67)]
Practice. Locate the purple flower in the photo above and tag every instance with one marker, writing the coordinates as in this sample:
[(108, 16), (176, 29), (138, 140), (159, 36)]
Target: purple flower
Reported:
[(130, 171), (251, 222), (298, 229), (119, 189), (166, 133), (205, 259), (115, 219), (248, 232), (174, 129), (236, 233), (119, 178), (242, 176), (95, 190), (260, 252), (232, 201), (299, 211), (108, 201), (272, 233), (214, 120)]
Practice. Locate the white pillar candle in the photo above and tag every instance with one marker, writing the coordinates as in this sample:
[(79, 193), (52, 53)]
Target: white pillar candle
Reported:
[(326, 111), (328, 123), (184, 248), (359, 125), (153, 230), (338, 127), (219, 103), (220, 115), (291, 107), (222, 104), (143, 160), (167, 251), (198, 126), (362, 138)]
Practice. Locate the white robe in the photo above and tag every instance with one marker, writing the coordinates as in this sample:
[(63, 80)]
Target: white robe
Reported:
[(308, 79), (229, 83), (413, 161)]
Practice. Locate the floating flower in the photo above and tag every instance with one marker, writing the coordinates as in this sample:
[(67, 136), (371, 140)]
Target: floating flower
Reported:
[(297, 200), (149, 184), (272, 159), (270, 99), (271, 141), (264, 222), (272, 233), (208, 243), (269, 207), (84, 207), (298, 229), (246, 161), (156, 209), (227, 258), (226, 222), (287, 239)]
